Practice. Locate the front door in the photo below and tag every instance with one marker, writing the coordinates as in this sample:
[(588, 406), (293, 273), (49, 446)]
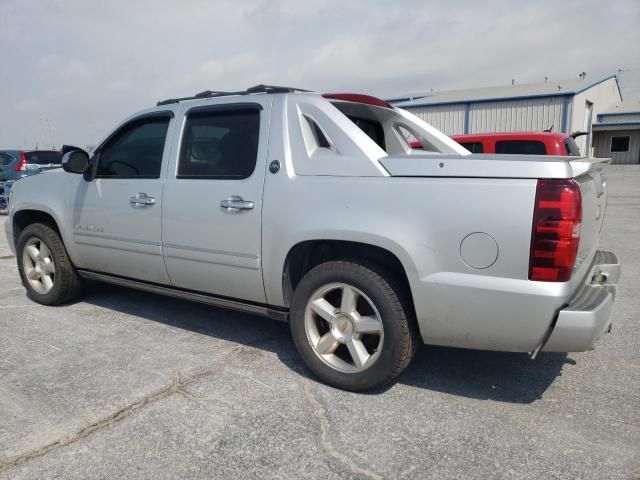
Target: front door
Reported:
[(117, 216), (213, 198)]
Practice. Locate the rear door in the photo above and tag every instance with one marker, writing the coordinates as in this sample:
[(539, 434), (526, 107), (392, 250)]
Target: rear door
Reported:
[(211, 216), (116, 217)]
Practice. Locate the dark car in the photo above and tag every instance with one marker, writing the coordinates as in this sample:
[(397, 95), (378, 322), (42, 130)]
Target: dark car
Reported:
[(15, 164)]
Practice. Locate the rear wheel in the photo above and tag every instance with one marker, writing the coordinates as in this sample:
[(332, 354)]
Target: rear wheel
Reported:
[(350, 327), (44, 265)]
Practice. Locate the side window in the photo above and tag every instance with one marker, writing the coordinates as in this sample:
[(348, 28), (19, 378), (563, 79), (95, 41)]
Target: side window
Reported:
[(572, 147), (473, 147), (620, 144), (220, 144), (135, 151), (5, 159), (521, 147)]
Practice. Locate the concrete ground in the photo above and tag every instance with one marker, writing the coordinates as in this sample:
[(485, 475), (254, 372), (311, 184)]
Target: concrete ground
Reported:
[(132, 385)]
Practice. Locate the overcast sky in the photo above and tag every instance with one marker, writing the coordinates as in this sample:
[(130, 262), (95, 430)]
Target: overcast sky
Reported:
[(70, 70)]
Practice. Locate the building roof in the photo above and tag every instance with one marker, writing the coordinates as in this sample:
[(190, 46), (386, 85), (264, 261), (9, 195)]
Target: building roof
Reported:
[(486, 94)]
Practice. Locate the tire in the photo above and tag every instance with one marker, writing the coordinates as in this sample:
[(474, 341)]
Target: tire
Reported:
[(64, 285), (326, 334)]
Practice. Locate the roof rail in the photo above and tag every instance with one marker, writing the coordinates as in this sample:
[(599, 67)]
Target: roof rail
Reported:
[(214, 93)]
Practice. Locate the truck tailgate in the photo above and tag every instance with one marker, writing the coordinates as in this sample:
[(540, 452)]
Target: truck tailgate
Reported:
[(593, 188)]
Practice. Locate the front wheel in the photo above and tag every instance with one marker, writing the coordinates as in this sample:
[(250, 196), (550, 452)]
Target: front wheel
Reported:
[(44, 265), (350, 327)]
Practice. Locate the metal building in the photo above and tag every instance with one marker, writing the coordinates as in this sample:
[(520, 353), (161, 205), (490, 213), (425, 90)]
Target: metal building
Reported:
[(616, 134), (566, 106)]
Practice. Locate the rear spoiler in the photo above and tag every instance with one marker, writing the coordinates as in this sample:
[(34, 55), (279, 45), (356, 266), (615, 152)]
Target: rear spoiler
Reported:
[(585, 164)]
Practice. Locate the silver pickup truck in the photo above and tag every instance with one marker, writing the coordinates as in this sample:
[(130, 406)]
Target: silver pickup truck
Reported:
[(314, 209)]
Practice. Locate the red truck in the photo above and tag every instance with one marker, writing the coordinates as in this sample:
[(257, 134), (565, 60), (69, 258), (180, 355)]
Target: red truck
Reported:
[(522, 143)]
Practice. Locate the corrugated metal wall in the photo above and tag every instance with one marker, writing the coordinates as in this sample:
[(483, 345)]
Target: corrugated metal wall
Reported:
[(602, 146), (449, 119), (506, 116), (517, 115)]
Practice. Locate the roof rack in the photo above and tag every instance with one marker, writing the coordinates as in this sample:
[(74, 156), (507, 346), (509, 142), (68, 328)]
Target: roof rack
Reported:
[(248, 91)]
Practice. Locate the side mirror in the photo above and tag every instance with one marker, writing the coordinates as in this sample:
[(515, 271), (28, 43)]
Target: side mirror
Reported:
[(75, 161)]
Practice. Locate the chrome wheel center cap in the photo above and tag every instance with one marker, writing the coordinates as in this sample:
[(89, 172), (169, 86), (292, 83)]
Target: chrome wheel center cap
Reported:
[(342, 327)]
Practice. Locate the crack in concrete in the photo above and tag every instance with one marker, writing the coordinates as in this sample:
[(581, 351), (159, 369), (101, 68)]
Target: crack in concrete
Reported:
[(328, 447), (177, 386)]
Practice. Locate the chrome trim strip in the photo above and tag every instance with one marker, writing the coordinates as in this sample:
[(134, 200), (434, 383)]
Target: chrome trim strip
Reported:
[(202, 260), (111, 247), (237, 305), (206, 250), (117, 239)]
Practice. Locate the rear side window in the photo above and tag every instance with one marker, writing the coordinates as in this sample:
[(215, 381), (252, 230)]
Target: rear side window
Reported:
[(43, 157), (473, 147), (5, 159), (521, 147), (135, 151), (220, 144), (572, 147)]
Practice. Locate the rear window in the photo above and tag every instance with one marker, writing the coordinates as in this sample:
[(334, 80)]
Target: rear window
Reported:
[(372, 128), (521, 147), (572, 147), (473, 147), (41, 157)]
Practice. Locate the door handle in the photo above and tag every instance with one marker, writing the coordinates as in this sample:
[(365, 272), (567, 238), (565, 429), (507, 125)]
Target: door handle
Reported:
[(141, 200), (235, 203)]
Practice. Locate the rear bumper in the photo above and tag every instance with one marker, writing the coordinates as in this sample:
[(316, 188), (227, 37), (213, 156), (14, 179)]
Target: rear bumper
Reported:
[(587, 316)]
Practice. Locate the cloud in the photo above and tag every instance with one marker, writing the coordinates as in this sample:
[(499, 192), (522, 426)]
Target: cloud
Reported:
[(83, 66)]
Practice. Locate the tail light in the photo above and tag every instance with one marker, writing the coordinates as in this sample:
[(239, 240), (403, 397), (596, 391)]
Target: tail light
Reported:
[(556, 230), (22, 163)]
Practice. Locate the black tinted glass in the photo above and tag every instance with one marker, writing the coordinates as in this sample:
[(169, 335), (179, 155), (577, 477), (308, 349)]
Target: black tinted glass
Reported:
[(135, 151), (5, 159), (620, 144), (43, 157), (473, 147), (521, 147), (372, 128), (572, 147), (221, 144)]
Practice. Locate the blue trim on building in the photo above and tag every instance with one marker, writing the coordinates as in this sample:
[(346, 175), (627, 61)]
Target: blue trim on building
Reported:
[(565, 113), (593, 84), (467, 118), (486, 100), (616, 114), (615, 124)]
